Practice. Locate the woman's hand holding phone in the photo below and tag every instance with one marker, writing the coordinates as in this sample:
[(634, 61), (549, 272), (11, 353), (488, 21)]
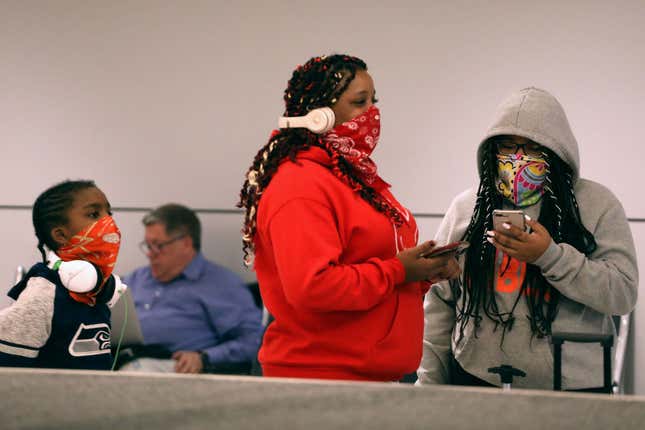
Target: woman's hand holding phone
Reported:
[(518, 241), (421, 266)]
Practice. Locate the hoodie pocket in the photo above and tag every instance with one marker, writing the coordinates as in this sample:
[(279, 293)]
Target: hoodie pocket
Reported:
[(399, 350)]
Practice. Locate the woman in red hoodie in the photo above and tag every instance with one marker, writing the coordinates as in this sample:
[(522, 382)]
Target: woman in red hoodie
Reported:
[(335, 253)]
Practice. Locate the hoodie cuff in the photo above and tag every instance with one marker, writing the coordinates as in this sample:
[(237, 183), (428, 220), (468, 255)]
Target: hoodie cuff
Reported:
[(398, 270), (550, 257)]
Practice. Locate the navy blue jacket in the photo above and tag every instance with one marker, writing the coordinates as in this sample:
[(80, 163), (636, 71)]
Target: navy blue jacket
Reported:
[(46, 327)]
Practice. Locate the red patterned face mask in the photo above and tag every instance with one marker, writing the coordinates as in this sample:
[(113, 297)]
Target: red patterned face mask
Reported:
[(99, 244), (355, 140)]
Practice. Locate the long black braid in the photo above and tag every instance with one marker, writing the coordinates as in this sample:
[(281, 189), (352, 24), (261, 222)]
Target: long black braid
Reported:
[(318, 83), (559, 214), (51, 208)]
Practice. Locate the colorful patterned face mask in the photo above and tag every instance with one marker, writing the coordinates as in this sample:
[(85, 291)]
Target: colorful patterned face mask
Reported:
[(356, 139), (520, 178), (99, 244)]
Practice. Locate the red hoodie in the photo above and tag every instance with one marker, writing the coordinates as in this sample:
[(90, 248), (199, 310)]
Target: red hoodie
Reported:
[(327, 268)]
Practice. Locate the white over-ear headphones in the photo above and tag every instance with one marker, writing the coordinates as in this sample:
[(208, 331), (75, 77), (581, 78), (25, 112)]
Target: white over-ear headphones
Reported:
[(318, 121), (77, 276)]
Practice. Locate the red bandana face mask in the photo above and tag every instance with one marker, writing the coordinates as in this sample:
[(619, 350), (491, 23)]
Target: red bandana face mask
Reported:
[(99, 244), (355, 140)]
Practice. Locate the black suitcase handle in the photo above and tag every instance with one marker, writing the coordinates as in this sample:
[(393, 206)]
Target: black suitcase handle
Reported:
[(606, 340)]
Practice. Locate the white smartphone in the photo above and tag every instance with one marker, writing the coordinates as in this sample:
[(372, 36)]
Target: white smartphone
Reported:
[(513, 217)]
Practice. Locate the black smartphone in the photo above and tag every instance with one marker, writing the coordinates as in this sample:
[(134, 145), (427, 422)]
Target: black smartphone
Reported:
[(457, 247)]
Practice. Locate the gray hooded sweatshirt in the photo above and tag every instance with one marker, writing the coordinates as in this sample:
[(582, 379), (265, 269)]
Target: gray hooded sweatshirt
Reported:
[(592, 287)]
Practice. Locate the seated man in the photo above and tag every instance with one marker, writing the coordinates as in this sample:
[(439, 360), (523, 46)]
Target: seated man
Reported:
[(195, 316)]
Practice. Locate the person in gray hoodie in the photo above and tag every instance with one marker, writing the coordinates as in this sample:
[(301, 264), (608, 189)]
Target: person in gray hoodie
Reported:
[(570, 272)]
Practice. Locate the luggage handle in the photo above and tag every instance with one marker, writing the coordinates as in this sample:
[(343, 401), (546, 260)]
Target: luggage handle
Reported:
[(606, 340)]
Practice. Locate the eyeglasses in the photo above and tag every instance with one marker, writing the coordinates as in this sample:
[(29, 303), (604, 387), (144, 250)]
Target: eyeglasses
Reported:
[(156, 248), (506, 147)]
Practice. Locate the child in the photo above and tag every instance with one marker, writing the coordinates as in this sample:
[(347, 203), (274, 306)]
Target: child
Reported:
[(61, 317)]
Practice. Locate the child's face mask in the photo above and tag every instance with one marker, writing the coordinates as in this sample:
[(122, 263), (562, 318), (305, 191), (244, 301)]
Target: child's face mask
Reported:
[(97, 243), (520, 178)]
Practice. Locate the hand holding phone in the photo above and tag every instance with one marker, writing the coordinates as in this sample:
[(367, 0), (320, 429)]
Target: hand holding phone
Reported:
[(457, 248)]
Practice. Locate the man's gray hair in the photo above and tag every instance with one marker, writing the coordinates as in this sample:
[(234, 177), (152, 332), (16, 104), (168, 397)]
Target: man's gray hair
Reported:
[(177, 218)]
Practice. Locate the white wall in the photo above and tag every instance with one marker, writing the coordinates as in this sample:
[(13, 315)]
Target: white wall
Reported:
[(168, 100)]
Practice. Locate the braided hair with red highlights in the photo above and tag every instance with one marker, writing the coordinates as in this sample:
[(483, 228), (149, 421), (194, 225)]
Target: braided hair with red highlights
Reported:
[(318, 83)]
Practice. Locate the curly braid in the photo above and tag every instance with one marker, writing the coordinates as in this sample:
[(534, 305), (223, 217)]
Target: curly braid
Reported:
[(318, 83), (559, 214)]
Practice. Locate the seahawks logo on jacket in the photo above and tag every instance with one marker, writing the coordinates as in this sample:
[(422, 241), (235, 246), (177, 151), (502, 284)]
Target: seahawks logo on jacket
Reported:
[(93, 339)]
